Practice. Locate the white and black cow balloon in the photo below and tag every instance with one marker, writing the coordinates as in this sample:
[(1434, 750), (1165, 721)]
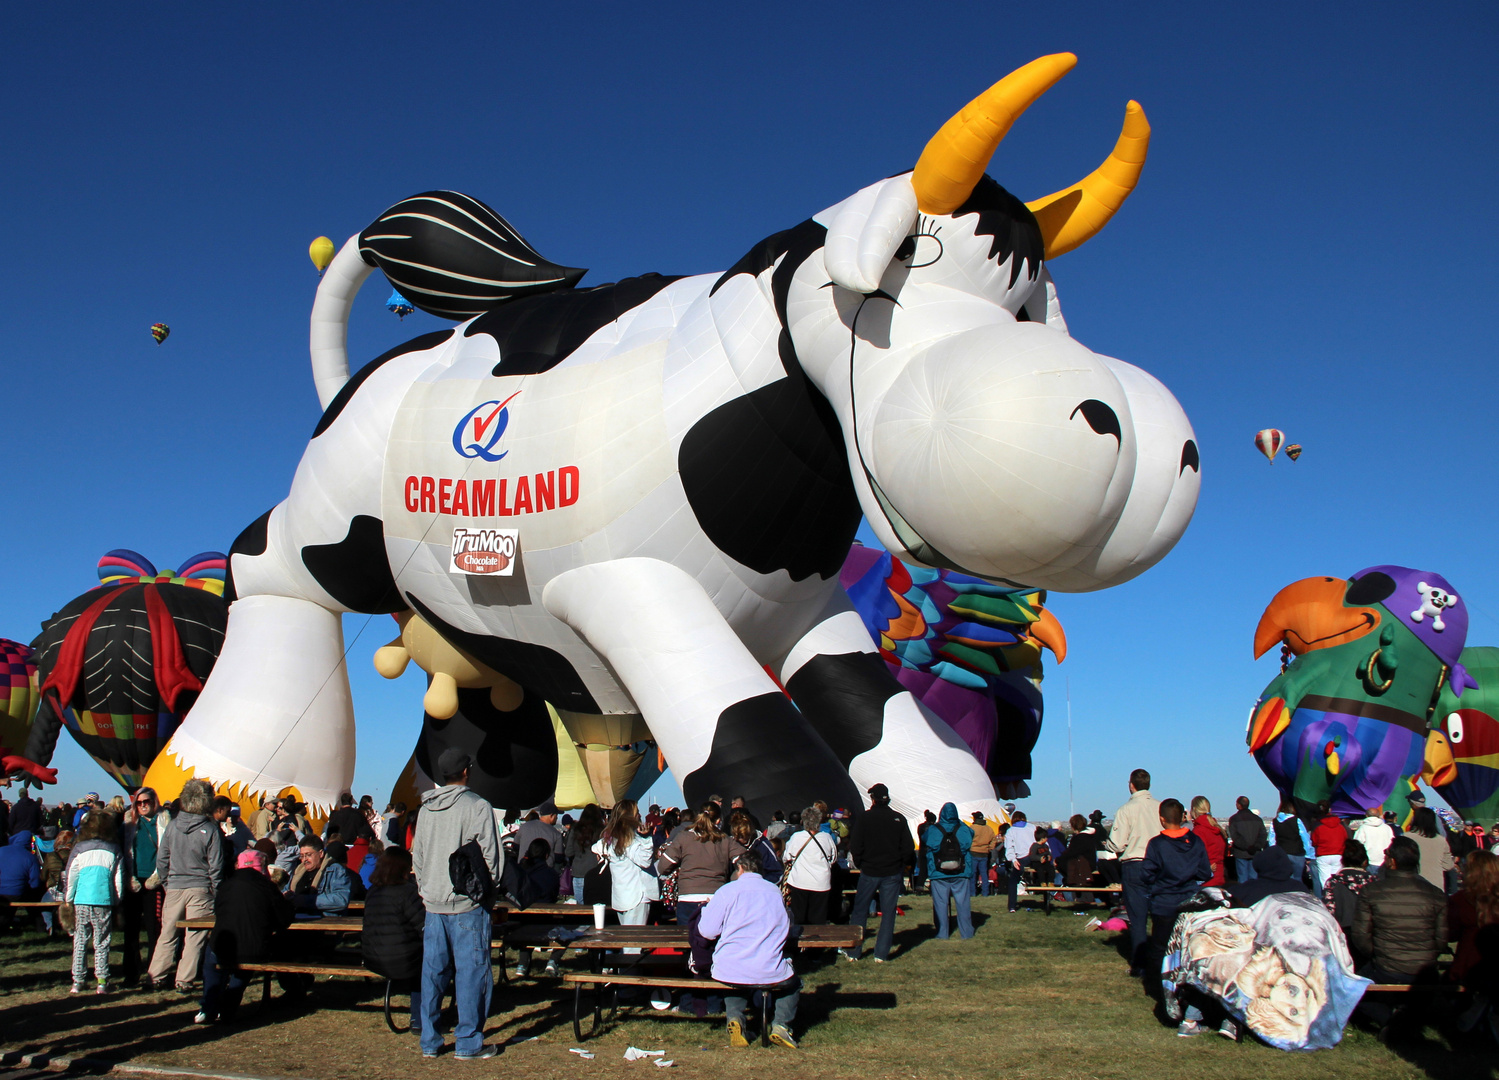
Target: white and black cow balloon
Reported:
[(636, 498)]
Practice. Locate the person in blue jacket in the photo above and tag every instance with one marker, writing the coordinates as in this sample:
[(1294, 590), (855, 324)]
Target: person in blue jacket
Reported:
[(20, 869), (950, 870), (1175, 866)]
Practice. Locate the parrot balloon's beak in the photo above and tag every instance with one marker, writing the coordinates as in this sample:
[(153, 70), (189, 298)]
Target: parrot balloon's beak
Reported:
[(1330, 752), (1438, 766), (1048, 631), (1309, 614)]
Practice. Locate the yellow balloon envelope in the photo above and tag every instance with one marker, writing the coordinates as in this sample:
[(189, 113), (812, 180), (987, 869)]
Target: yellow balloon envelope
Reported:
[(320, 251)]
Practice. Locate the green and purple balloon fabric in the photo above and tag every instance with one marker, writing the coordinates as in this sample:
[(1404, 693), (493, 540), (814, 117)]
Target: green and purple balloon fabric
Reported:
[(966, 649)]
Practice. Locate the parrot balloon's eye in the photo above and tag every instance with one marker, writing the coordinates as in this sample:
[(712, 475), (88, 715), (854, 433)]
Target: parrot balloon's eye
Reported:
[(1454, 728)]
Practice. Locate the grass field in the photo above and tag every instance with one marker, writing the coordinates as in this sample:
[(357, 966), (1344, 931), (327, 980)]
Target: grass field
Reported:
[(1029, 997)]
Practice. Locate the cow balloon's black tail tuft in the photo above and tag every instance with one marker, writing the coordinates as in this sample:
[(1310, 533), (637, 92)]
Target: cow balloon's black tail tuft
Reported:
[(454, 257)]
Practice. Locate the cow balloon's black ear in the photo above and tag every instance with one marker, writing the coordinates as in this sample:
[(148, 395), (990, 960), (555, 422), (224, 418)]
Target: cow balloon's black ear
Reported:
[(454, 257)]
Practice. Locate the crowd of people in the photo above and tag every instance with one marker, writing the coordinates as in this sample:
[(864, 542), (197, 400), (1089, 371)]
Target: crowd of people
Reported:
[(427, 877), (1402, 896)]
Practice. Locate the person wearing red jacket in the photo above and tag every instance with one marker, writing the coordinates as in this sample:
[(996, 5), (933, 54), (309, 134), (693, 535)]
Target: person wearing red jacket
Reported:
[(1328, 839), (1211, 834)]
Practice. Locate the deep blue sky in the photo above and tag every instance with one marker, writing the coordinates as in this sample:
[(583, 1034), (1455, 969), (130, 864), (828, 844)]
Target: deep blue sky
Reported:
[(1311, 247)]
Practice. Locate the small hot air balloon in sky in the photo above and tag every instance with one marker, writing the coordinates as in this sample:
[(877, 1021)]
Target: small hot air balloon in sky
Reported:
[(1293, 451), (1268, 442), (160, 331), (398, 304), (320, 251)]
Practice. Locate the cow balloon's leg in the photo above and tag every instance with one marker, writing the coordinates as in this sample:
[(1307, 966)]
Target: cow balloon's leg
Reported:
[(720, 720), (875, 726)]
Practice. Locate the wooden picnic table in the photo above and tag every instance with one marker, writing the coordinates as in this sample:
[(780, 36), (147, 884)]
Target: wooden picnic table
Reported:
[(596, 983)]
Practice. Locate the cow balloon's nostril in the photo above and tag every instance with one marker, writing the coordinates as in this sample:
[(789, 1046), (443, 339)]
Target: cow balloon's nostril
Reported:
[(1101, 418), (1190, 459)]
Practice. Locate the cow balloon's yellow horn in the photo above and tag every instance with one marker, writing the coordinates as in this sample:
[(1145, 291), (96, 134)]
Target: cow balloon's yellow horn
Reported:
[(1074, 215), (958, 154)]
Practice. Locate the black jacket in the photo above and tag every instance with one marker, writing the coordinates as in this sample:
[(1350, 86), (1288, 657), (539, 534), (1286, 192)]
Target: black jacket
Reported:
[(248, 909), (1273, 872), (392, 936), (25, 816), (1246, 832), (880, 842), (350, 824), (1401, 922), (1173, 869), (1288, 837)]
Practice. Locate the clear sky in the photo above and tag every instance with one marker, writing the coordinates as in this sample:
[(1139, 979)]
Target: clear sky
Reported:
[(1311, 247)]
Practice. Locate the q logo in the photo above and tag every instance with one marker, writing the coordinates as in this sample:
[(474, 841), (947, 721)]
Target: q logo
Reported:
[(478, 433)]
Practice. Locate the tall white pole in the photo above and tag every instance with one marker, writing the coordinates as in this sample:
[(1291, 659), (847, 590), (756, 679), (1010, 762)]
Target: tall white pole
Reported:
[(1071, 809)]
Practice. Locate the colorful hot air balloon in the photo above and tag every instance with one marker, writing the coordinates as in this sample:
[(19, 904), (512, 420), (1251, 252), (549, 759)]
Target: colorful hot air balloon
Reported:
[(121, 664), (160, 331), (968, 650), (1293, 451), (18, 701), (1268, 442), (398, 304)]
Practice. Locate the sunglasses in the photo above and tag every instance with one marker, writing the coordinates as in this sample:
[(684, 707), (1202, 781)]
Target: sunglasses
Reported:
[(144, 802)]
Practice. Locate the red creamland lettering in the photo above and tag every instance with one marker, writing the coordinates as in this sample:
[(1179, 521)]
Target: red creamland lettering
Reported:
[(493, 498)]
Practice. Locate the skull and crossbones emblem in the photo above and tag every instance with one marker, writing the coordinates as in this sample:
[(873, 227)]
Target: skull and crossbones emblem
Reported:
[(1433, 602)]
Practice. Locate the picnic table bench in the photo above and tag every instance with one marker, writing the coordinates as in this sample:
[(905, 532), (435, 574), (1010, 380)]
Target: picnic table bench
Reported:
[(598, 981), (1047, 891)]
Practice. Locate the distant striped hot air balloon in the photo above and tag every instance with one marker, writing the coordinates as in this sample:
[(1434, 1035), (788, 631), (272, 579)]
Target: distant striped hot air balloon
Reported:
[(1293, 451), (1268, 442), (160, 331)]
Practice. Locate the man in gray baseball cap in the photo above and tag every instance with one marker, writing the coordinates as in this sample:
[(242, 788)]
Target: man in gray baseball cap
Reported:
[(455, 941)]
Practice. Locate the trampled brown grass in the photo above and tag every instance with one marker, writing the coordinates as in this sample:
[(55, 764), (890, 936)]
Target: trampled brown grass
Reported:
[(1029, 998)]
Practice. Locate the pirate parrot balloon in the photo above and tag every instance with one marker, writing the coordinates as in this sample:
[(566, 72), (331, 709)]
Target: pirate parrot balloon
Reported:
[(1364, 662)]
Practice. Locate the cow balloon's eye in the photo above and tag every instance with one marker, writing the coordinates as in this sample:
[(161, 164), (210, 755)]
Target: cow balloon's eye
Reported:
[(921, 248), (1454, 728)]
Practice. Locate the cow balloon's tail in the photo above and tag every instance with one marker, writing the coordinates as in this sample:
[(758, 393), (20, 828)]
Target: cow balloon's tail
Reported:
[(444, 252)]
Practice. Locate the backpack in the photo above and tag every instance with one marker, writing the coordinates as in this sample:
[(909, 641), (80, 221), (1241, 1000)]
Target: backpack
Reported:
[(951, 858), (470, 876), (598, 883)]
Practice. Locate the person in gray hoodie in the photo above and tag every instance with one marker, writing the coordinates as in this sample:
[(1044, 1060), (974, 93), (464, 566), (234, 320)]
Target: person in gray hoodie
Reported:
[(190, 864), (456, 934)]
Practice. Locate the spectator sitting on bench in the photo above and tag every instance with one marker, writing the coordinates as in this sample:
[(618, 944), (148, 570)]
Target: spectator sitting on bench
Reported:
[(1401, 922), (248, 911), (1274, 872), (747, 918), (323, 884)]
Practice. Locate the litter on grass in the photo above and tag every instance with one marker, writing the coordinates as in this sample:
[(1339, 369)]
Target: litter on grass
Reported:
[(634, 1053)]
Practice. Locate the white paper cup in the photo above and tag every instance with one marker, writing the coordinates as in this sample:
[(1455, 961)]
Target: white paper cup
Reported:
[(598, 916)]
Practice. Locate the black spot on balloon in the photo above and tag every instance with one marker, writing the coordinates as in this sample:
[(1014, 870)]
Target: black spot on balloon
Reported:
[(1189, 458), (347, 391), (1369, 589), (764, 750), (355, 571), (1101, 418)]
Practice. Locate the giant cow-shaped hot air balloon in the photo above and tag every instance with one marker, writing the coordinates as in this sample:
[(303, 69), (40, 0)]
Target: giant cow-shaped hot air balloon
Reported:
[(1365, 664), (632, 499), (122, 664)]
